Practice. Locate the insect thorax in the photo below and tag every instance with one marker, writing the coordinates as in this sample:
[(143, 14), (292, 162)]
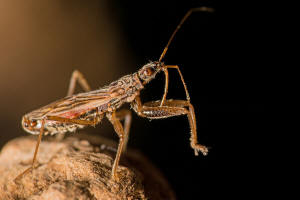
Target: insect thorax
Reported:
[(124, 90)]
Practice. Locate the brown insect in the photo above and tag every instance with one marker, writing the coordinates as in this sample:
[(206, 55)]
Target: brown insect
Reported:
[(88, 108)]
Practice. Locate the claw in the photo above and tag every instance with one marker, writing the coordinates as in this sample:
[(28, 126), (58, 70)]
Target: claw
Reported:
[(115, 177), (199, 147)]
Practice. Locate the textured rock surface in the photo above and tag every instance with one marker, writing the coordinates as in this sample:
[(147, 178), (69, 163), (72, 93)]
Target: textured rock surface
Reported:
[(76, 169)]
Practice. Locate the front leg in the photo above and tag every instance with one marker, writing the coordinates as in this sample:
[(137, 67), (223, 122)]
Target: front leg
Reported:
[(153, 110), (165, 69)]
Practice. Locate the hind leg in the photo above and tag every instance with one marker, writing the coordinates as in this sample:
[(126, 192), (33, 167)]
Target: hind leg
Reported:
[(35, 154), (77, 76)]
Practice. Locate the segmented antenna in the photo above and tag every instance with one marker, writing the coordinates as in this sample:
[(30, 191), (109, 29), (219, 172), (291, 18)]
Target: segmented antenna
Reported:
[(202, 9)]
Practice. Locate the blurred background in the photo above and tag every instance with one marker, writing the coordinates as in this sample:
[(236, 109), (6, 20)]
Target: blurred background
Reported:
[(42, 42)]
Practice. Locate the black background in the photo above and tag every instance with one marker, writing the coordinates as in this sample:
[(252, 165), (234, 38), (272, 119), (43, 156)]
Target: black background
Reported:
[(220, 55)]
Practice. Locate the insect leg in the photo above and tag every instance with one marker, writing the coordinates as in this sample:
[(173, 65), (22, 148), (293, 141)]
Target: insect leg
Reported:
[(120, 131), (167, 82), (77, 76), (166, 86), (60, 136), (76, 121), (35, 154), (126, 115), (153, 110)]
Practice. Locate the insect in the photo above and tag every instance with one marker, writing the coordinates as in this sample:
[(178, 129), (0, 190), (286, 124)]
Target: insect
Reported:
[(90, 107)]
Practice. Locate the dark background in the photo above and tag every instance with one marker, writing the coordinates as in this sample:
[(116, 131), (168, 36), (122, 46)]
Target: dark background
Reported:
[(220, 55)]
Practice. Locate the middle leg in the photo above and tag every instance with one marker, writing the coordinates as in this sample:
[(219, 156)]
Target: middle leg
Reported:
[(120, 131), (125, 115)]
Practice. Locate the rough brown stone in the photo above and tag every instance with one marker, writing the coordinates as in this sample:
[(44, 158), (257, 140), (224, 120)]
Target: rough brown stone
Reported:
[(76, 169)]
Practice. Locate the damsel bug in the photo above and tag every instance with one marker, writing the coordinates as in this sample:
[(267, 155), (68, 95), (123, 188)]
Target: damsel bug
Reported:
[(88, 108)]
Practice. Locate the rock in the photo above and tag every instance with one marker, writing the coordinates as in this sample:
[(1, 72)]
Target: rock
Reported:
[(76, 169)]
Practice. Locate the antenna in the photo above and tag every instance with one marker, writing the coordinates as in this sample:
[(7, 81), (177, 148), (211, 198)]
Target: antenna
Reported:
[(202, 9)]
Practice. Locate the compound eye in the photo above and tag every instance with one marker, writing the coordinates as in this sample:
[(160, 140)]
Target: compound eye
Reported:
[(149, 71)]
